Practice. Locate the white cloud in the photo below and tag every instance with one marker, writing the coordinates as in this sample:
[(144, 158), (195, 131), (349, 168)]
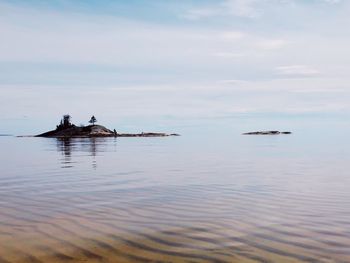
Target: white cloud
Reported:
[(251, 8), (229, 55), (196, 14), (237, 82), (297, 71), (112, 41), (238, 8), (232, 35), (332, 1), (270, 44), (242, 8)]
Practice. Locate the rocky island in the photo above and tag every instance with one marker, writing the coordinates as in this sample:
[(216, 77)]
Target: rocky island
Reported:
[(267, 133), (68, 130)]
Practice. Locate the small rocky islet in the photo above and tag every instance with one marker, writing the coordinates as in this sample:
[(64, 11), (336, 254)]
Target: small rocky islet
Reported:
[(267, 133), (66, 129)]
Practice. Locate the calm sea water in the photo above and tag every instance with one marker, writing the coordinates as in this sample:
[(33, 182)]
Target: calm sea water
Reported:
[(228, 198)]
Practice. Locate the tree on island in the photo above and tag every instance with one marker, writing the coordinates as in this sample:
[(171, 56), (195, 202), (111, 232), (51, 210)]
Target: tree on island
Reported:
[(65, 122), (93, 120)]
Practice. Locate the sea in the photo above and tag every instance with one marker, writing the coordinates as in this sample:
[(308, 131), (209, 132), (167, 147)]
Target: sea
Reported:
[(209, 195)]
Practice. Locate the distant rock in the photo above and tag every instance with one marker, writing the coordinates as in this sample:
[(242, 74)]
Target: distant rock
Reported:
[(266, 133), (145, 134)]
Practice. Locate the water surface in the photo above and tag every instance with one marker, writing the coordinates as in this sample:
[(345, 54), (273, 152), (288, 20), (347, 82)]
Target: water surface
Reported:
[(178, 199)]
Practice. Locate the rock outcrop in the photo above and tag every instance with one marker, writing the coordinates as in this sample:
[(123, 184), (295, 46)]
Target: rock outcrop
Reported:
[(75, 131), (267, 133)]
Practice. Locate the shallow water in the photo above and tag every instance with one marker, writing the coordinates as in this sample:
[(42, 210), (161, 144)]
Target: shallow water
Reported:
[(177, 199)]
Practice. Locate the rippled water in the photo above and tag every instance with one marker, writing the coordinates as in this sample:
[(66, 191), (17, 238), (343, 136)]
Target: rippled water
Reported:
[(176, 199)]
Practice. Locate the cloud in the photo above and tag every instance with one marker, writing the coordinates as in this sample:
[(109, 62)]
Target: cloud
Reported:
[(297, 71), (332, 1), (229, 55), (235, 82), (242, 8), (238, 8), (103, 40), (232, 35), (196, 14), (270, 44), (251, 9), (84, 38)]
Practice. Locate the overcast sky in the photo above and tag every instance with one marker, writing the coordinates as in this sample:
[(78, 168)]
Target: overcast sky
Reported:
[(160, 61)]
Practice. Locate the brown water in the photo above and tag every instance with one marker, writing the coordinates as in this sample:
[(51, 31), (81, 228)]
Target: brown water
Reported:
[(240, 199)]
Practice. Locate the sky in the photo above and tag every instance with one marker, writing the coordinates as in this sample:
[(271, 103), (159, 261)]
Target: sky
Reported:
[(156, 64)]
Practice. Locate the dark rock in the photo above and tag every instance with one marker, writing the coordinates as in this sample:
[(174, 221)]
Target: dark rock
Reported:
[(75, 131), (266, 133)]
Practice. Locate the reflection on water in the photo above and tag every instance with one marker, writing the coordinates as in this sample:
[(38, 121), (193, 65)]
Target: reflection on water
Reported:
[(64, 145), (67, 145), (171, 200)]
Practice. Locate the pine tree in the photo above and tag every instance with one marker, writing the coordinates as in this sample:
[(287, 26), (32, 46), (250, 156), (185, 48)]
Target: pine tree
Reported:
[(93, 120), (64, 123)]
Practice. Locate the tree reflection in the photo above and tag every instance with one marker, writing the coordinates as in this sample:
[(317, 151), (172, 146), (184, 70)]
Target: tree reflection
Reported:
[(65, 147), (84, 147), (93, 150)]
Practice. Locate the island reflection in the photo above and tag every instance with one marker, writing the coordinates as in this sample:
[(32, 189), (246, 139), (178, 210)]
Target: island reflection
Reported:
[(71, 148)]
